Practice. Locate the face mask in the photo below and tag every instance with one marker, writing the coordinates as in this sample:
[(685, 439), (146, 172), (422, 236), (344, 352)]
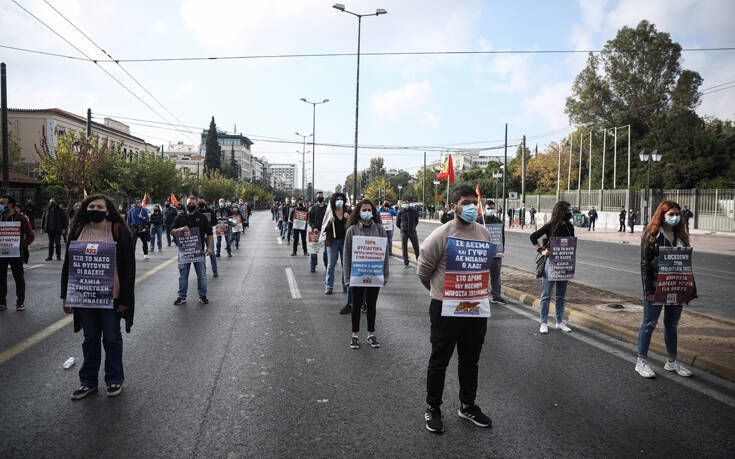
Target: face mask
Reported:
[(137, 205), (339, 203), (405, 206), (191, 207), (568, 216), (53, 204), (490, 212), (386, 205), (221, 204), (96, 215), (469, 213), (673, 221), (366, 215), (168, 205), (156, 211), (320, 199), (201, 205), (293, 202)]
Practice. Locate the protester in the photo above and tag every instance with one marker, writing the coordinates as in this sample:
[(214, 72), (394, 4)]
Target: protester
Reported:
[(168, 220), (193, 218), (236, 226), (285, 211), (522, 215), (30, 211), (10, 213), (532, 213), (632, 217), (511, 213), (138, 220), (687, 214), (289, 219), (446, 216), (592, 214), (335, 236), (388, 210), (315, 219), (406, 221), (666, 229), (621, 216), (490, 216), (364, 222), (299, 233), (98, 221), (223, 214), (466, 333), (156, 227), (53, 222), (559, 226), (209, 215)]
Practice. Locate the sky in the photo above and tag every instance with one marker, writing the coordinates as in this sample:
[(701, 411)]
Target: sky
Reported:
[(447, 100)]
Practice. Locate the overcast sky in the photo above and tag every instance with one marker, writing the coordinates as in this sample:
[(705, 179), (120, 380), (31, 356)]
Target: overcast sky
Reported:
[(404, 100)]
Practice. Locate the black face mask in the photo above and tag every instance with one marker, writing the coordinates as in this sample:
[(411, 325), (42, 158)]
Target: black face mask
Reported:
[(96, 215), (191, 207), (320, 199), (168, 205), (53, 204), (568, 216), (201, 205)]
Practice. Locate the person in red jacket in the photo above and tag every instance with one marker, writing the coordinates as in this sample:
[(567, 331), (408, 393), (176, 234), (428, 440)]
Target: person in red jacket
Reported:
[(13, 255)]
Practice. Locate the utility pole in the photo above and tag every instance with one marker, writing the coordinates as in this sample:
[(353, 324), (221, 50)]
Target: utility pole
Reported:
[(558, 174), (579, 177), (589, 171), (89, 123), (423, 186), (505, 167), (4, 103), (604, 145), (523, 171), (569, 172), (615, 158), (629, 156), (161, 151)]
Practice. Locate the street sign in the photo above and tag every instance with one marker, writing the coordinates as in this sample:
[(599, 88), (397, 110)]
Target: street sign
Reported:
[(512, 195)]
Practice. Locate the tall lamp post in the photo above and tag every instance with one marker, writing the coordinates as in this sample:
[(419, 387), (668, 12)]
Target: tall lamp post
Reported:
[(654, 156), (303, 160), (400, 187), (313, 142), (378, 12), (497, 175)]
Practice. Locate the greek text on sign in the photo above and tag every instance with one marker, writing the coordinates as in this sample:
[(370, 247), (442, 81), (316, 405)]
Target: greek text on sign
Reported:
[(315, 245), (299, 219), (562, 258), (9, 239), (91, 275), (387, 220), (467, 277), (496, 235), (675, 283), (368, 258), (190, 247)]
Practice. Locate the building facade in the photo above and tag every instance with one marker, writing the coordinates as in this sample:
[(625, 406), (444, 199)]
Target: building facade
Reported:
[(186, 156), (284, 176), (233, 144)]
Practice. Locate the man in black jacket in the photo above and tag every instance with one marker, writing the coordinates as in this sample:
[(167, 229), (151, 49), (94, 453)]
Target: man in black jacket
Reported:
[(54, 223), (315, 219), (168, 220), (592, 214), (297, 231), (406, 221), (193, 218), (209, 215), (622, 219)]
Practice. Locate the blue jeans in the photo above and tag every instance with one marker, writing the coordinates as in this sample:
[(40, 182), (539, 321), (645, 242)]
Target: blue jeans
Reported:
[(227, 243), (390, 242), (313, 259), (333, 253), (284, 229), (104, 324), (212, 260), (156, 232), (235, 239), (201, 269), (651, 313), (168, 235), (561, 293)]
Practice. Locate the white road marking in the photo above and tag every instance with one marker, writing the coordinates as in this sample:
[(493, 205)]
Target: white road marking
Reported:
[(295, 294)]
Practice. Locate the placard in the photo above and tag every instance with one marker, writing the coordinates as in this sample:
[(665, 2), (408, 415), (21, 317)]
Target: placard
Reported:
[(496, 235), (387, 219), (190, 246), (208, 216), (675, 284), (91, 275), (9, 239), (237, 223), (562, 258), (299, 219), (222, 228), (368, 261), (315, 245), (467, 278)]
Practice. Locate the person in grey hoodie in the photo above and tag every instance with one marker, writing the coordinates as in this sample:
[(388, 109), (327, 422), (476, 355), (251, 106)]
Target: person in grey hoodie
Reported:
[(364, 222)]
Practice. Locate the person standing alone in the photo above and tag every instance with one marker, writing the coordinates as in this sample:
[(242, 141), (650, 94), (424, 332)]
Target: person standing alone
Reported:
[(592, 214), (54, 223), (406, 221)]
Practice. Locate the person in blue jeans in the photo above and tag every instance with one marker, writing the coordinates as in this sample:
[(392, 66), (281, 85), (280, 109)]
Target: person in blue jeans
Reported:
[(335, 232), (156, 227), (209, 215), (315, 219), (559, 226), (388, 210), (192, 218), (666, 229)]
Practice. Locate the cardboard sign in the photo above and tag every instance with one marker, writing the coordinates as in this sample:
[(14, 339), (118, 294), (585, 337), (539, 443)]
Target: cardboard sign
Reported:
[(562, 258), (190, 247), (237, 224), (496, 235), (91, 274), (368, 261), (675, 284), (280, 214), (387, 219), (9, 239), (299, 219), (315, 245), (467, 278), (222, 228)]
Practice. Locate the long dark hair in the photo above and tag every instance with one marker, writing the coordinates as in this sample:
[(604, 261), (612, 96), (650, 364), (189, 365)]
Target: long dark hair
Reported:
[(81, 217), (680, 230), (557, 217), (333, 199), (355, 217)]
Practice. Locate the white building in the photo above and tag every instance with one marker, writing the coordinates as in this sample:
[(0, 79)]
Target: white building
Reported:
[(186, 156), (233, 144), (464, 161), (284, 175)]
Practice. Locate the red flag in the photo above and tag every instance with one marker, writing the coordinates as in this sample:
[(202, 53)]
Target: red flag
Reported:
[(145, 199), (447, 172), (479, 201), (174, 201)]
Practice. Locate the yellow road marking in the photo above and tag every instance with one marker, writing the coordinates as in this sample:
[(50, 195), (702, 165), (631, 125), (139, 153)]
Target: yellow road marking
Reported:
[(56, 326)]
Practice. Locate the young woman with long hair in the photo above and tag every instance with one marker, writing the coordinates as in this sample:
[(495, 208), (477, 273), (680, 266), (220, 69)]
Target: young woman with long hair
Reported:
[(334, 244), (666, 229), (559, 226)]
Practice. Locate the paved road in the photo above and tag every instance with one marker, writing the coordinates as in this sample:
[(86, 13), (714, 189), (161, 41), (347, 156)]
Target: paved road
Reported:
[(265, 370), (616, 267)]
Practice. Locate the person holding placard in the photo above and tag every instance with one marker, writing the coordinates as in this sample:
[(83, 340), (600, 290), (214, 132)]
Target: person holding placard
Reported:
[(495, 227), (298, 221), (193, 219), (559, 226), (454, 267), (236, 223), (15, 235), (315, 219), (335, 230), (665, 232), (97, 286), (209, 216), (366, 266), (222, 215), (386, 216)]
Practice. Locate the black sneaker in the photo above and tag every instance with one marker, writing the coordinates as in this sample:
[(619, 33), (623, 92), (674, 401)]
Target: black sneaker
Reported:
[(218, 255), (313, 270), (179, 301), (214, 274), (49, 259), (355, 343), (82, 392), (113, 390), (229, 254), (434, 422), (373, 341), (203, 300), (474, 414), (498, 300), (347, 309)]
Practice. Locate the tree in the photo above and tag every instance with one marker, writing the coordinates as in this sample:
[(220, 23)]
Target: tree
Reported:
[(338, 188), (376, 168), (215, 185), (213, 149), (153, 175), (234, 166), (378, 190)]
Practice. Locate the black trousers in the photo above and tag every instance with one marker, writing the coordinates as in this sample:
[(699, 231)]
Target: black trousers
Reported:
[(296, 235), (54, 238), (592, 224), (404, 245), (371, 294), (622, 226), (16, 266), (290, 230), (144, 238), (469, 335)]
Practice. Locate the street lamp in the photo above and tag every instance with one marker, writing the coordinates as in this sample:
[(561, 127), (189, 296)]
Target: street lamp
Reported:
[(654, 156), (378, 12), (303, 159), (400, 187), (496, 176), (313, 141)]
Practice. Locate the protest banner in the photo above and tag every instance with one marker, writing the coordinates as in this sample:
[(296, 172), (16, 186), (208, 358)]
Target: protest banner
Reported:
[(91, 275), (299, 219), (237, 224), (368, 258), (675, 284), (315, 245), (222, 228), (562, 258), (9, 239), (190, 246), (496, 235), (208, 216), (467, 278), (387, 220)]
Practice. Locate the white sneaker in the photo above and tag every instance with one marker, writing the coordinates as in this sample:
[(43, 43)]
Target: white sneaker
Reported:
[(543, 329), (563, 327), (644, 369), (678, 368), (145, 257)]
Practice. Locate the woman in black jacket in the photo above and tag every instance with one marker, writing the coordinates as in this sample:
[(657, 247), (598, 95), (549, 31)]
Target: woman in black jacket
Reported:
[(156, 227), (666, 229), (98, 221), (559, 226)]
